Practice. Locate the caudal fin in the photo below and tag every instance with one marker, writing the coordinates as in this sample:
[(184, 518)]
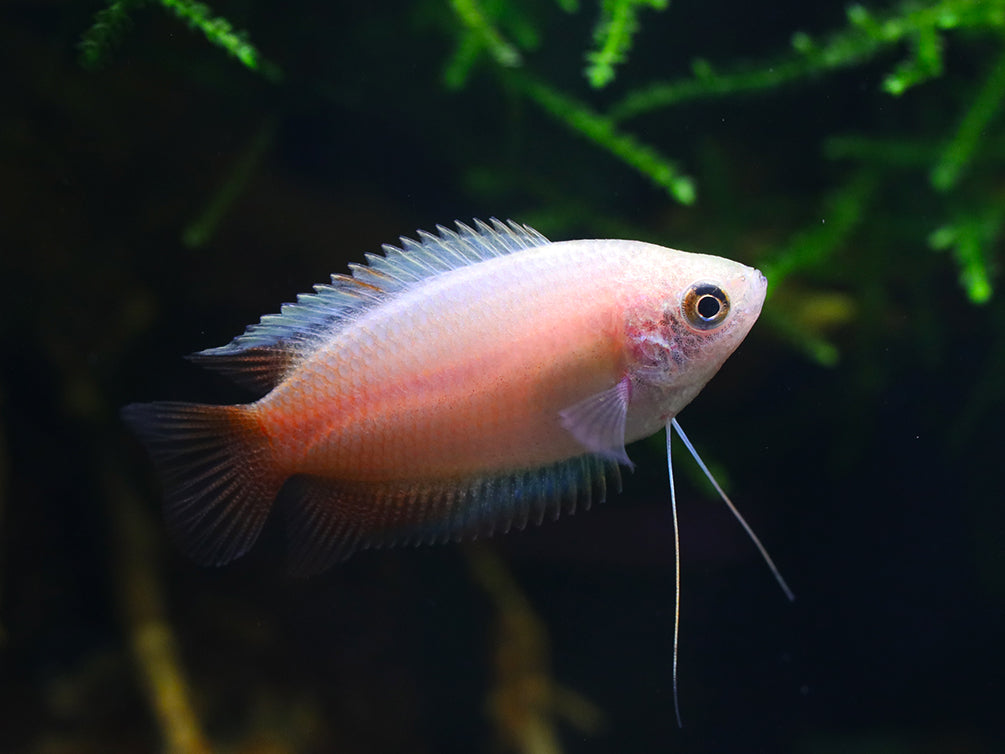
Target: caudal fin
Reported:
[(219, 478)]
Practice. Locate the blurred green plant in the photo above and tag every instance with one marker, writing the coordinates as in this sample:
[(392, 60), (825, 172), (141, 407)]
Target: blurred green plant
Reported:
[(111, 23), (483, 35), (601, 130), (865, 39), (613, 37), (506, 38), (971, 227)]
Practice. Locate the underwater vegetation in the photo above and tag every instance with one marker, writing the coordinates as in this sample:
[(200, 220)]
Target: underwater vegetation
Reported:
[(170, 169), (961, 161)]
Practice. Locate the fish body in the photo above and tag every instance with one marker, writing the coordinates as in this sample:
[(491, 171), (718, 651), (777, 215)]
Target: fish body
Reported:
[(467, 383)]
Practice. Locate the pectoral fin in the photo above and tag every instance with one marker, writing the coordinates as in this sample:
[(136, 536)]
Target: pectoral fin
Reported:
[(598, 422)]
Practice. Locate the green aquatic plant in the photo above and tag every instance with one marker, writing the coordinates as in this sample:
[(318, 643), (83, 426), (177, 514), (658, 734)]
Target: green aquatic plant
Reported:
[(111, 23), (975, 123), (907, 41), (812, 249), (485, 29), (483, 34), (602, 130), (613, 37), (971, 238), (970, 225), (864, 39)]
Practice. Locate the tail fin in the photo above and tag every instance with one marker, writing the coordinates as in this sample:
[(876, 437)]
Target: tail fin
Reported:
[(219, 478)]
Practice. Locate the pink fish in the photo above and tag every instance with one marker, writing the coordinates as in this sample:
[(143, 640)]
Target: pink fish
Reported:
[(464, 384)]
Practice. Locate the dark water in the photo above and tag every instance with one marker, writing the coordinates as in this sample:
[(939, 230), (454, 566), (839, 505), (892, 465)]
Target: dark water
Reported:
[(157, 206)]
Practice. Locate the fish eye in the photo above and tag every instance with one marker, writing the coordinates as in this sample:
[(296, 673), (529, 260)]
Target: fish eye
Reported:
[(704, 306)]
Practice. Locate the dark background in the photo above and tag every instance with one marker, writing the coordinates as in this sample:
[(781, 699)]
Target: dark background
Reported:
[(875, 481)]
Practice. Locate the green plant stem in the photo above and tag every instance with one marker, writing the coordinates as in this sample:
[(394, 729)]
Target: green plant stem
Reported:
[(109, 25), (200, 231), (865, 38), (613, 36), (603, 132), (958, 155), (474, 18), (843, 211), (220, 32), (969, 239)]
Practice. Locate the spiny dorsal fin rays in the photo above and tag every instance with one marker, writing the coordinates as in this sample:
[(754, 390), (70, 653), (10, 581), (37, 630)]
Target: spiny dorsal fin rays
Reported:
[(449, 250), (269, 350), (674, 425)]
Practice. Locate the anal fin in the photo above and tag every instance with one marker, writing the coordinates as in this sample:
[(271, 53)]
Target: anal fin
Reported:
[(330, 519)]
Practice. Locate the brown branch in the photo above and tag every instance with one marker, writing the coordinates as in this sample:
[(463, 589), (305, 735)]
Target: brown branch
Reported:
[(151, 638), (526, 700)]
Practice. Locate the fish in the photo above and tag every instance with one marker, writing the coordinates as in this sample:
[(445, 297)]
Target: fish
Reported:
[(457, 386)]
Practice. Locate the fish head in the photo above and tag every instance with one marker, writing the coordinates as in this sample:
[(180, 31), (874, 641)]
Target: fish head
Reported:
[(690, 313)]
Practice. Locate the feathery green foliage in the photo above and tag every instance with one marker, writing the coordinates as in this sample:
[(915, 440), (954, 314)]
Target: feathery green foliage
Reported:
[(865, 39), (842, 211), (473, 16), (970, 239), (220, 32), (603, 132), (199, 231), (975, 123), (111, 23), (484, 30), (501, 38), (922, 28), (613, 37)]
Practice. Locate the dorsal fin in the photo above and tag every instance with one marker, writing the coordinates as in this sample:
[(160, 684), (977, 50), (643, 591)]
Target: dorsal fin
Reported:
[(268, 351)]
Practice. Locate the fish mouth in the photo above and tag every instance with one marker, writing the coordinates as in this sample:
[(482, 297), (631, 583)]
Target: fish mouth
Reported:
[(756, 278), (751, 282), (749, 288)]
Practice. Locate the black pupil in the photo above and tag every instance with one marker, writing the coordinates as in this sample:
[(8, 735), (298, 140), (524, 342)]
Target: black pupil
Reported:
[(708, 306)]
